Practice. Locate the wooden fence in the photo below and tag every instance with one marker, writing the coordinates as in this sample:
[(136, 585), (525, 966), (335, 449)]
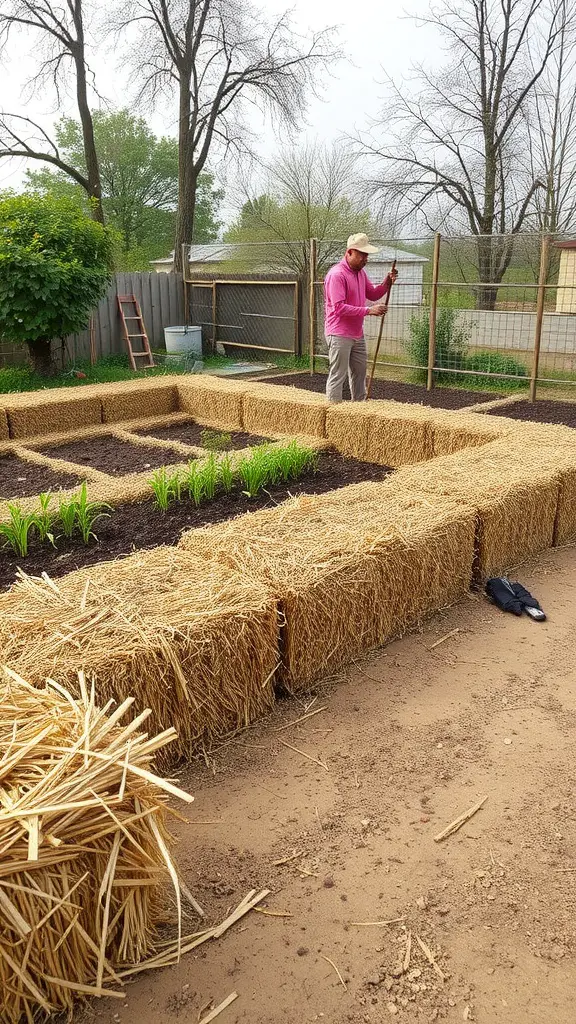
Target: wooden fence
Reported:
[(161, 298)]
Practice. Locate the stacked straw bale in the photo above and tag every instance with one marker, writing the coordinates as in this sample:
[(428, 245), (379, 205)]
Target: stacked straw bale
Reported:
[(538, 447), (389, 433), (131, 400), (515, 505), (287, 410), (213, 401), (192, 641), (351, 568), (4, 431), (34, 413), (454, 431), (84, 847)]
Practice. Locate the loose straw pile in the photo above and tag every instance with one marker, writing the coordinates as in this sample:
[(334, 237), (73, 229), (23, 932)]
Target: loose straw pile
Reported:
[(84, 851)]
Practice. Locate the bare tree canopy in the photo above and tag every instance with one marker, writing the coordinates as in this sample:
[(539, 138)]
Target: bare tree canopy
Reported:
[(309, 192), (552, 133), (457, 136), (61, 32), (220, 56)]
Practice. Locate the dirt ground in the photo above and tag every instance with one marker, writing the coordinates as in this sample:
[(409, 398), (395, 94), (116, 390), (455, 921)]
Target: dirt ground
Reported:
[(409, 739)]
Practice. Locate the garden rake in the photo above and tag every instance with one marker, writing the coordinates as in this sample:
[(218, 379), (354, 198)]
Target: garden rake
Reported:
[(380, 329)]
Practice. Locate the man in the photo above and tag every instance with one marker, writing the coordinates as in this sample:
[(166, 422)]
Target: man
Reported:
[(346, 288)]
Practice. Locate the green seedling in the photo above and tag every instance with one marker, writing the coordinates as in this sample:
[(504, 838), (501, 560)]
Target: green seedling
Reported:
[(44, 520), (226, 472), (17, 529), (254, 472), (162, 487), (88, 512), (209, 473), (215, 440), (195, 482), (67, 514)]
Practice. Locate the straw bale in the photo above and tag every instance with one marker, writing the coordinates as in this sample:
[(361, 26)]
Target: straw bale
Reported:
[(130, 400), (515, 505), (213, 401), (455, 430), (85, 854), (4, 432), (192, 641), (552, 448), (36, 413), (351, 568), (389, 433), (289, 410)]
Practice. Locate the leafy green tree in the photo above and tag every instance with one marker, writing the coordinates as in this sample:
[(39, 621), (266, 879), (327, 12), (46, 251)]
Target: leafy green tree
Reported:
[(55, 266), (139, 175)]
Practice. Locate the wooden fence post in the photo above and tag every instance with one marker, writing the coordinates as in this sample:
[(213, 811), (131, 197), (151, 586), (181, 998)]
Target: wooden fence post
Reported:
[(313, 270), (542, 277), (433, 306)]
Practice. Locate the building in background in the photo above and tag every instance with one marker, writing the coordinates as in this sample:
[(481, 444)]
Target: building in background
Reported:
[(566, 293)]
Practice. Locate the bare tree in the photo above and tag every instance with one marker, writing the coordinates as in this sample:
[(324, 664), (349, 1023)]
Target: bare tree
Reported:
[(61, 29), (310, 192), (220, 56), (458, 145), (552, 133)]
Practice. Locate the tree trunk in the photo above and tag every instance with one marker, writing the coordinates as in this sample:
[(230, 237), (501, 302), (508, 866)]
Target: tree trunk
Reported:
[(90, 154), (187, 177), (40, 352)]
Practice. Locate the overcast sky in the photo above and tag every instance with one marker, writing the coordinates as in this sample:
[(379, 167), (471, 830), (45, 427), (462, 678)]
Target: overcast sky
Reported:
[(377, 37)]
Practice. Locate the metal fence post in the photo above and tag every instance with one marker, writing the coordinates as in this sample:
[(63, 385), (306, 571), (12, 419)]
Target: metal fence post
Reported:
[(433, 305), (313, 270), (542, 277)]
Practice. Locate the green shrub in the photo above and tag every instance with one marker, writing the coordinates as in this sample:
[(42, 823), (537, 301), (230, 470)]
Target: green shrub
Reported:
[(215, 440)]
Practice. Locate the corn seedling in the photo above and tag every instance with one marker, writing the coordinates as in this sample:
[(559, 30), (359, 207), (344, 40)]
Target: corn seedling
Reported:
[(209, 473), (67, 515), (215, 440), (226, 473), (88, 512), (162, 487), (17, 529), (44, 520), (195, 482), (254, 472)]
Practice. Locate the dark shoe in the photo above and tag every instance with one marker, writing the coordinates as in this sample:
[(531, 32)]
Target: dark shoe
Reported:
[(500, 592), (529, 603)]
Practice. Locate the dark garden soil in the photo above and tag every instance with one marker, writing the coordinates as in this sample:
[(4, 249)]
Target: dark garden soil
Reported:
[(113, 456), (192, 433), (545, 411), (439, 398), (141, 525), (19, 479)]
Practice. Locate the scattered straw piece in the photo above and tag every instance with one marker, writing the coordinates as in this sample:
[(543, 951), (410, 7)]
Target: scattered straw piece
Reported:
[(377, 924), (430, 957), (304, 754), (406, 961), (332, 964), (301, 719), (452, 633), (218, 1009), (461, 820)]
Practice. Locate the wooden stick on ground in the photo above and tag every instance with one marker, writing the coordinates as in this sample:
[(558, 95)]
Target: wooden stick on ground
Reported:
[(377, 924), (452, 633), (406, 961), (458, 822), (218, 1009)]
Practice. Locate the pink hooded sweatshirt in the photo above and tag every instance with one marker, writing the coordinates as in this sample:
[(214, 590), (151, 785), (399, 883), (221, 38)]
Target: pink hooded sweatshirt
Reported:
[(345, 294)]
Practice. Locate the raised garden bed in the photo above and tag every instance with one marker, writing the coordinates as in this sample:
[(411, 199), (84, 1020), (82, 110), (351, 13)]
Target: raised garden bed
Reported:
[(545, 411), (438, 398), (20, 479), (111, 455), (141, 525), (193, 433)]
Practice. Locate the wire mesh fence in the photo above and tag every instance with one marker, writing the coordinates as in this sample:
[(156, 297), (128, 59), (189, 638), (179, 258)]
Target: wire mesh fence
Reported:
[(247, 297), (501, 311)]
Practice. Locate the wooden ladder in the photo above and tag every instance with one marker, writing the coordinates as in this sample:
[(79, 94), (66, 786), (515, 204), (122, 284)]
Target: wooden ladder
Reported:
[(131, 317)]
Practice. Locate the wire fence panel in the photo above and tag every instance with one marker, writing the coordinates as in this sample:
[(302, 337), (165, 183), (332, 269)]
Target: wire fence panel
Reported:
[(256, 303)]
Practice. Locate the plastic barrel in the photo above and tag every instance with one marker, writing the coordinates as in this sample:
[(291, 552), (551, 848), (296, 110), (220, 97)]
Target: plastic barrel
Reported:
[(183, 340)]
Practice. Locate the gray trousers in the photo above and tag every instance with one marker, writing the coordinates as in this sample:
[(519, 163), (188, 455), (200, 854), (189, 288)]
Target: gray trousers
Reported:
[(347, 357)]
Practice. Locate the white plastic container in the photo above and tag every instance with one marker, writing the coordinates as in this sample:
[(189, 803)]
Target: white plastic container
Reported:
[(183, 340)]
